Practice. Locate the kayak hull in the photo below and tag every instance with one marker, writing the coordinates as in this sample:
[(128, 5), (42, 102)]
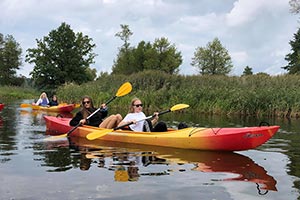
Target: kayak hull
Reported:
[(220, 139), (59, 108)]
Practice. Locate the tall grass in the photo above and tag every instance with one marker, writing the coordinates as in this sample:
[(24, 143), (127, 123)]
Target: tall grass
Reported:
[(247, 95), (11, 92)]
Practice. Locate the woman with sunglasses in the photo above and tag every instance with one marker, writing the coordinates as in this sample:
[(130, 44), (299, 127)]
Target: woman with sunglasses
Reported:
[(136, 113), (97, 119)]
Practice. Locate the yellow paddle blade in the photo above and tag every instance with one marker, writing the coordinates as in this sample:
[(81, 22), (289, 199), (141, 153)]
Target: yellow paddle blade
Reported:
[(56, 137), (179, 107), (124, 89), (99, 133), (25, 105)]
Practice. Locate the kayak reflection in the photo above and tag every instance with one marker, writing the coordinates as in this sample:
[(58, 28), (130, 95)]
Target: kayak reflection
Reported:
[(41, 113), (126, 159)]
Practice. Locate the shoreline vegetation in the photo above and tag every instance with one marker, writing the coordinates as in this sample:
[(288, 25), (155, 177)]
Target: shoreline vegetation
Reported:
[(252, 95)]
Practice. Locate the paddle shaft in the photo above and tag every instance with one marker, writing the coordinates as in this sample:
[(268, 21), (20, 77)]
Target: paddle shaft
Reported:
[(96, 134), (149, 117)]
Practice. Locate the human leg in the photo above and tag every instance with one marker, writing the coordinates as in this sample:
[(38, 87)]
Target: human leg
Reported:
[(160, 127), (111, 122)]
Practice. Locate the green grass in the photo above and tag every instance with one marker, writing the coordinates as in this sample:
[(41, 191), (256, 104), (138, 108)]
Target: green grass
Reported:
[(248, 95), (259, 95), (10, 92)]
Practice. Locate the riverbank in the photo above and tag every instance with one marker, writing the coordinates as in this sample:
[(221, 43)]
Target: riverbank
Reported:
[(258, 95)]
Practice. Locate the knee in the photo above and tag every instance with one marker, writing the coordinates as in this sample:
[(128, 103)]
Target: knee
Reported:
[(119, 117)]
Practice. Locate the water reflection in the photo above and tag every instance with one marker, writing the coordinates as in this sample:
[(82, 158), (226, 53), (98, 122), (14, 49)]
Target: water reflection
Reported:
[(24, 155), (130, 162)]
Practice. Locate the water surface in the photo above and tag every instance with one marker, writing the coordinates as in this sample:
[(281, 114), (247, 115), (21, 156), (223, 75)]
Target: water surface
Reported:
[(32, 168)]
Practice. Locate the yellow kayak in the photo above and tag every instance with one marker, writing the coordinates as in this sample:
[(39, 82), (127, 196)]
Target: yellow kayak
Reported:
[(225, 139), (60, 108)]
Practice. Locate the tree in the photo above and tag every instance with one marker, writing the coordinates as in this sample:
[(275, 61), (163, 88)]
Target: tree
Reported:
[(160, 56), (214, 59), (295, 6), (247, 71), (61, 57), (169, 59), (293, 58), (10, 60), (123, 62)]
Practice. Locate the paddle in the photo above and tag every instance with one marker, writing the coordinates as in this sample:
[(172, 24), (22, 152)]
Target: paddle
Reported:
[(25, 105), (99, 133), (122, 91)]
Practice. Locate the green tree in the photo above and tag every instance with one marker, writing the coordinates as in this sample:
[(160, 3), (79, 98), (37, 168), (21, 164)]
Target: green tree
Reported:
[(160, 56), (123, 63), (167, 58), (10, 60), (293, 58), (247, 71), (214, 59), (61, 57)]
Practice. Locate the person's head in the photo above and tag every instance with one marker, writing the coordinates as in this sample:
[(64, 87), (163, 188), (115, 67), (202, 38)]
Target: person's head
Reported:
[(87, 106), (54, 98), (136, 106), (87, 102), (43, 95)]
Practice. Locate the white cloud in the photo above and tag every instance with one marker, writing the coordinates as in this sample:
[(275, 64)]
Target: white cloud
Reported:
[(239, 57), (256, 32), (245, 11)]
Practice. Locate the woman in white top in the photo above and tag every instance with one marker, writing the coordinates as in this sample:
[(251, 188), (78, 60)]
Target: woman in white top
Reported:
[(136, 115), (43, 100)]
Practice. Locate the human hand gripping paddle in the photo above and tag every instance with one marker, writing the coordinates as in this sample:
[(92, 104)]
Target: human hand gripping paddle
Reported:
[(122, 91), (99, 133)]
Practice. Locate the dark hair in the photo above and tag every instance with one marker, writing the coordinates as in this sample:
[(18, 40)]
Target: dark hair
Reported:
[(86, 112)]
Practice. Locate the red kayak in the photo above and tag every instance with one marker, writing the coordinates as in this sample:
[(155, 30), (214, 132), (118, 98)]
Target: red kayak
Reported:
[(221, 139), (237, 166), (1, 106)]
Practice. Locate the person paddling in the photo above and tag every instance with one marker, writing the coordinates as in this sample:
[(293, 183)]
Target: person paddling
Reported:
[(136, 114), (43, 100), (98, 119)]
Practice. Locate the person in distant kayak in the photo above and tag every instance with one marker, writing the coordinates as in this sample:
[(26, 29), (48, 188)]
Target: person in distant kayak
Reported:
[(97, 119), (43, 100), (136, 113), (54, 101)]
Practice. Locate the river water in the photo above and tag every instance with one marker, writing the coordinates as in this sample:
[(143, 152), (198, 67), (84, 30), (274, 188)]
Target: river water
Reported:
[(32, 168)]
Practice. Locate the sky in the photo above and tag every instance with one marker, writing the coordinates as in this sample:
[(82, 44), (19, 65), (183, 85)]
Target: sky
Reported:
[(256, 33)]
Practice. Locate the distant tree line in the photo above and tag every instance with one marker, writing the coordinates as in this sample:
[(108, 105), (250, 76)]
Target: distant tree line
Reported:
[(10, 61)]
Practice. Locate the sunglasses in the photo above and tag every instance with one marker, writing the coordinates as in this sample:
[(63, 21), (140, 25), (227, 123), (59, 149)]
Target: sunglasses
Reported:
[(86, 102), (138, 105)]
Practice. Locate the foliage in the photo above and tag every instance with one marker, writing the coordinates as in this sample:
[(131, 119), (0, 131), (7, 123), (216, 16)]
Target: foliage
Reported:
[(61, 57), (213, 59), (10, 60), (258, 94), (247, 71), (295, 6), (12, 92), (161, 55), (123, 63), (293, 58)]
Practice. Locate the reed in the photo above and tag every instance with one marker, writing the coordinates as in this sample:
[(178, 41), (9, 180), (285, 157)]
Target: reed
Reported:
[(247, 95), (11, 92)]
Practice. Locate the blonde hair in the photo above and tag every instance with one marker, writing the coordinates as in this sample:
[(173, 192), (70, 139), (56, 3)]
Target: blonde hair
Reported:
[(131, 107), (43, 95)]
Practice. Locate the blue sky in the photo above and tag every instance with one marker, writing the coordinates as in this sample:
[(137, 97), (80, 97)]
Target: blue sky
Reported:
[(255, 32)]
